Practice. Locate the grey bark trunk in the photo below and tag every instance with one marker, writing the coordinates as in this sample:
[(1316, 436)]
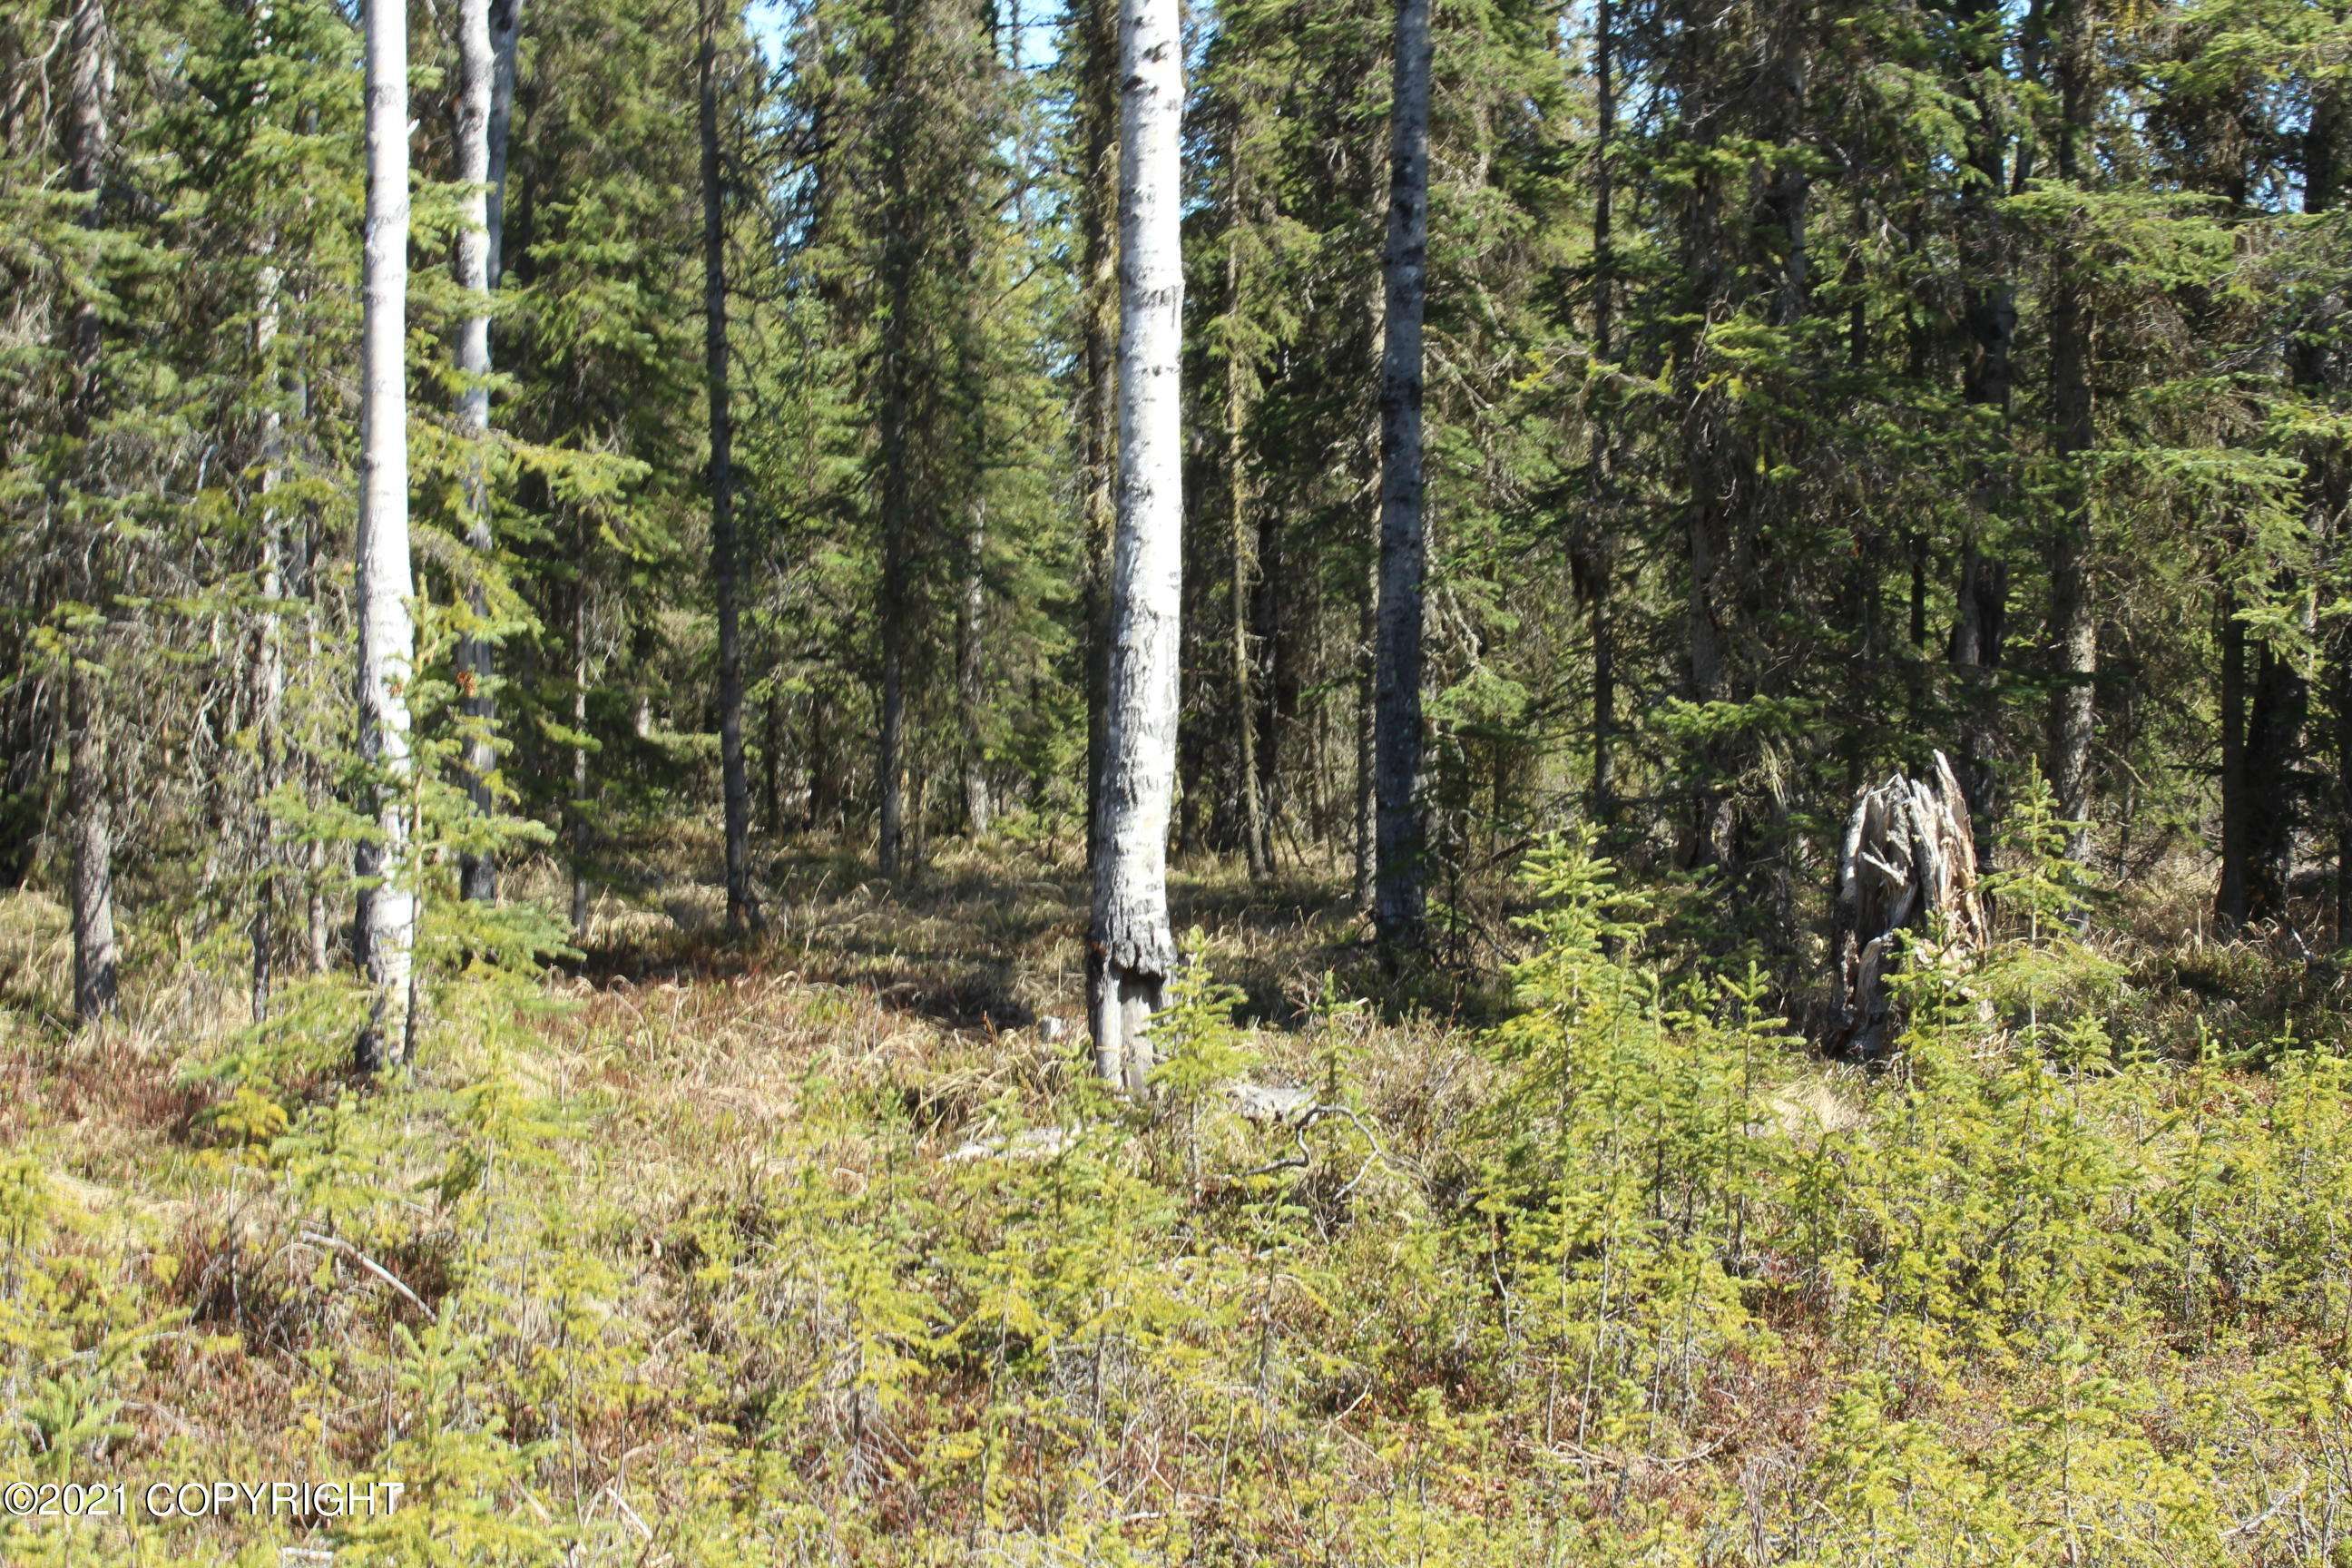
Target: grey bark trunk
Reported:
[(268, 650), (1595, 565), (385, 931), (1399, 895), (486, 33), (742, 908), (1257, 847), (575, 811), (1366, 814), (269, 671), (897, 499), (2073, 632), (1099, 235), (971, 668), (1981, 601), (1131, 936), (88, 799), (2328, 482)]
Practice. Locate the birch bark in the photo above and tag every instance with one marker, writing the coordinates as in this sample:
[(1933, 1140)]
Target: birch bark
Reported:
[(486, 62), (385, 931), (1132, 942)]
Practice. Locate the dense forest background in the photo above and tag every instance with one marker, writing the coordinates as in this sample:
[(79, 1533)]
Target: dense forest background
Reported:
[(1807, 390), (576, 1002)]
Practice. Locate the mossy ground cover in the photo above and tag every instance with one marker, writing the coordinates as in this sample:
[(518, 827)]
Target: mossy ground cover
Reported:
[(823, 1248)]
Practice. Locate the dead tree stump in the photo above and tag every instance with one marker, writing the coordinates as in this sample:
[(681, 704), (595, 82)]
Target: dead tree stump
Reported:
[(1909, 864)]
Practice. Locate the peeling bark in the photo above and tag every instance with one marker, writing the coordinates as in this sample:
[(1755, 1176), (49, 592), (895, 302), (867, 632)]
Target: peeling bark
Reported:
[(1132, 940)]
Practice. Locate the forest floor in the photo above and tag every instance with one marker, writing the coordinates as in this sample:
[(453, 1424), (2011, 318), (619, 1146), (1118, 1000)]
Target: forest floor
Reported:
[(821, 1247)]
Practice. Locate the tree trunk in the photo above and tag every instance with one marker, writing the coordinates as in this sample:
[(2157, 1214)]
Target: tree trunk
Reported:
[(1276, 671), (2230, 897), (96, 958), (772, 746), (575, 809), (2074, 631), (1257, 849), (268, 648), (2329, 477), (1594, 554), (742, 908), (268, 694), (2274, 745), (971, 666), (1097, 303), (385, 931), (1131, 932), (316, 924), (1366, 815), (896, 500), (486, 51), (1981, 601), (1399, 872), (88, 801)]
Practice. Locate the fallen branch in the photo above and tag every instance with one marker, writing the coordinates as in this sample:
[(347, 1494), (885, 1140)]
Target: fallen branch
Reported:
[(336, 1243)]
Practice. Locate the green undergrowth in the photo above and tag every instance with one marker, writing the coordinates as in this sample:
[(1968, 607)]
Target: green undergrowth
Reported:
[(771, 1263)]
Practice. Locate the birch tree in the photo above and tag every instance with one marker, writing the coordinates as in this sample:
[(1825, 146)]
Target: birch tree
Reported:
[(1133, 950), (385, 929), (486, 35), (1398, 896)]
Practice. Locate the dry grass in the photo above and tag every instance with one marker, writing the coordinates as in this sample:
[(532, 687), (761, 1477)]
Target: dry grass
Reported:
[(720, 1295)]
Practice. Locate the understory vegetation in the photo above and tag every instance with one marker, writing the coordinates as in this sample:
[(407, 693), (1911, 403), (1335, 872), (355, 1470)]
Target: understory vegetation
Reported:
[(831, 1247)]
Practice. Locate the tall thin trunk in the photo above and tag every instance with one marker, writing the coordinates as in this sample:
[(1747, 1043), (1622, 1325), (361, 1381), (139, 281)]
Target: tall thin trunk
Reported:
[(486, 52), (1400, 895), (1257, 849), (1596, 564), (2073, 631), (576, 807), (385, 931), (771, 749), (269, 649), (268, 695), (1098, 305), (825, 791), (1980, 602), (2328, 481), (88, 799), (2262, 721), (1131, 932), (742, 908), (897, 420), (1366, 815), (972, 667), (2230, 897), (316, 924)]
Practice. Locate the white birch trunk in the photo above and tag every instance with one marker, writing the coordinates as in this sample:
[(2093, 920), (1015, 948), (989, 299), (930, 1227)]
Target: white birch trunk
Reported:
[(268, 643), (268, 635), (485, 47), (1133, 946), (385, 929)]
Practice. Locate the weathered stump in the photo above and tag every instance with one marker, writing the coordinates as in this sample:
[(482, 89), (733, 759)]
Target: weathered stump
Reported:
[(1909, 864)]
